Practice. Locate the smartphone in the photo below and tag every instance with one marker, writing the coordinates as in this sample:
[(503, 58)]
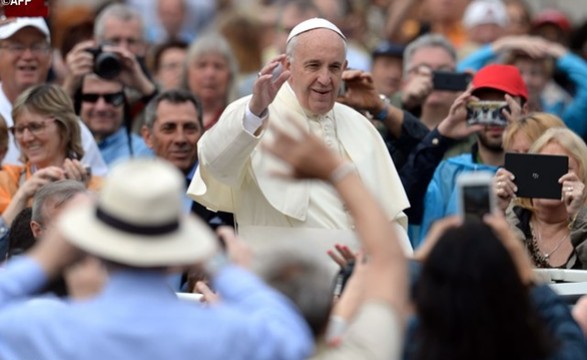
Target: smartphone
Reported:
[(343, 277), (276, 72), (342, 88), (450, 81), (475, 195), (487, 113)]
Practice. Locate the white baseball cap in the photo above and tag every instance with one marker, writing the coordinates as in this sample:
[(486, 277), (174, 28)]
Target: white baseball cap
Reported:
[(481, 12), (12, 27)]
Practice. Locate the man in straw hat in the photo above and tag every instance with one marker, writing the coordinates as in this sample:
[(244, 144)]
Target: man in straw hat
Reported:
[(300, 86), (137, 228)]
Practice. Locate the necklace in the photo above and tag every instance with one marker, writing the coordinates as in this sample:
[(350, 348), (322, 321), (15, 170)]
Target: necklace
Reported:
[(547, 255)]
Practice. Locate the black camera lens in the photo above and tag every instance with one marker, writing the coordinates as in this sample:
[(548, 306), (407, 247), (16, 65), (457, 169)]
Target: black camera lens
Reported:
[(107, 65)]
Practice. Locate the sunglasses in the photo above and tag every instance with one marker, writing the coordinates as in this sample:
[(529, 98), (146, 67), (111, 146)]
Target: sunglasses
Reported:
[(115, 99)]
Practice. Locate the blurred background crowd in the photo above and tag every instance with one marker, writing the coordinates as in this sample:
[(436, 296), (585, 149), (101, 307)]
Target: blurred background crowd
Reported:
[(98, 82)]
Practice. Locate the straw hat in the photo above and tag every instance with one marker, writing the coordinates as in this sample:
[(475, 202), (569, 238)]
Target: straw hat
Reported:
[(138, 220)]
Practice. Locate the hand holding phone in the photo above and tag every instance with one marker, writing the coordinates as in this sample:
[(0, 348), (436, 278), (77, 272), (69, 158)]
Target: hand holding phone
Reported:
[(450, 81), (475, 195)]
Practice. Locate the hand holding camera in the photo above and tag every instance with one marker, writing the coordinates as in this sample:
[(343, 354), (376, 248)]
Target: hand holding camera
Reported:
[(454, 125), (79, 62), (130, 74), (106, 65), (108, 62), (359, 91), (476, 197), (496, 113), (418, 87)]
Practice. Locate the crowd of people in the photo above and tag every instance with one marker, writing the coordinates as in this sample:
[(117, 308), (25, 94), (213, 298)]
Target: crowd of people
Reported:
[(296, 166)]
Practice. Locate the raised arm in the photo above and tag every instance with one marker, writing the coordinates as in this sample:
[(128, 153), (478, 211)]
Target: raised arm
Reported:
[(310, 158)]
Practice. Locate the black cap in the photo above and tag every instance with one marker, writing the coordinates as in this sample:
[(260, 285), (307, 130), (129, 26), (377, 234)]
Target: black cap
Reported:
[(387, 48)]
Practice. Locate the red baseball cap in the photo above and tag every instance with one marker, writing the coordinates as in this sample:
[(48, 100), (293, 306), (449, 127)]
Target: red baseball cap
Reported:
[(554, 17), (506, 78)]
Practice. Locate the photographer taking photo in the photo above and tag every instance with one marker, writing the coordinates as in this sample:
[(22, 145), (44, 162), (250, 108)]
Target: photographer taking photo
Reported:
[(118, 43)]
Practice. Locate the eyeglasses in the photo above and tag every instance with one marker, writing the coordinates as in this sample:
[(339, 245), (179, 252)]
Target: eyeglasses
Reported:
[(19, 49), (35, 128), (115, 99)]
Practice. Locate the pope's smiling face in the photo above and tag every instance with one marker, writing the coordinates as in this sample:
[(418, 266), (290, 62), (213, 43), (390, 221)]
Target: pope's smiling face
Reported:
[(316, 62)]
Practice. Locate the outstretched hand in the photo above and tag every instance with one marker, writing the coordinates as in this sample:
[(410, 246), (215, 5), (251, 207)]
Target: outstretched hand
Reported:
[(268, 84), (344, 256), (208, 296), (360, 91), (237, 250)]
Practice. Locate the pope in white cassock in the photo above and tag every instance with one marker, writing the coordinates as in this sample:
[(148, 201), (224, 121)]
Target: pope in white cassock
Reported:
[(236, 176)]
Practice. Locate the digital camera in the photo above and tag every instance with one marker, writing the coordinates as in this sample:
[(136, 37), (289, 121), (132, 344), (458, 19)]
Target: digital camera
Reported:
[(487, 113), (107, 65)]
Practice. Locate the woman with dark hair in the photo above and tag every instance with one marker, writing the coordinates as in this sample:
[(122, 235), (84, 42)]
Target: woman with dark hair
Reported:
[(475, 299), (475, 305)]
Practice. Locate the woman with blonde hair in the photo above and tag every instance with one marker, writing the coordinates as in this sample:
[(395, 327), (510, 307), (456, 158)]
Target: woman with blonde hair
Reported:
[(519, 135), (47, 132), (554, 231)]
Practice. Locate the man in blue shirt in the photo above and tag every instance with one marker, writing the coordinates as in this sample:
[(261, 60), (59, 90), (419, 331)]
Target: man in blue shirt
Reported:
[(103, 108), (492, 83), (137, 228)]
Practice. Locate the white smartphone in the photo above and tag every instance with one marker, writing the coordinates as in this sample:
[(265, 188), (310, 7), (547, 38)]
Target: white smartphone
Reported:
[(276, 72), (475, 194)]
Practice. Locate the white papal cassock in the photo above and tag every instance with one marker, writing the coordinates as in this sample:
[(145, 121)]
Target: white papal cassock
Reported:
[(236, 176)]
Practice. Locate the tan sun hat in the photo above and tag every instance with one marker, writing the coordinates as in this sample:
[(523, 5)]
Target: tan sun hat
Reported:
[(138, 219)]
